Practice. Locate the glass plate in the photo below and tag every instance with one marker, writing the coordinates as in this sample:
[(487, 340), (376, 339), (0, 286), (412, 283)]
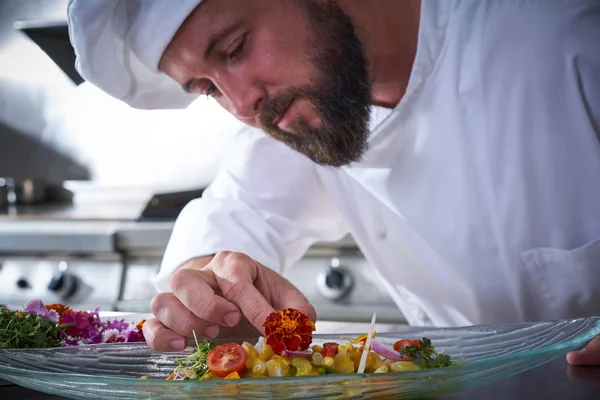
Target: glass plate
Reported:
[(490, 352)]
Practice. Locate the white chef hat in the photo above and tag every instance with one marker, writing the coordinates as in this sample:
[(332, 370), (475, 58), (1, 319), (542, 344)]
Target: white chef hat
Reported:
[(119, 43)]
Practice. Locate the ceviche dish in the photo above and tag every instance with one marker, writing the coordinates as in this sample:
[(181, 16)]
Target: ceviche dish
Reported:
[(287, 350)]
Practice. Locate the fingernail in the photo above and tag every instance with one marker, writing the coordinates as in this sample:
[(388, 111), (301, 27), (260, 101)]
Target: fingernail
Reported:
[(211, 331), (231, 319), (178, 344)]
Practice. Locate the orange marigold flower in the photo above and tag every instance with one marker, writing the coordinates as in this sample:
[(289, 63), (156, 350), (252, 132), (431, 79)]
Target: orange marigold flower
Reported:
[(288, 329), (59, 308)]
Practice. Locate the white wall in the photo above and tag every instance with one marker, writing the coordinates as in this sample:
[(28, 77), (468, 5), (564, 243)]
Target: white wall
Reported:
[(123, 146), (51, 129)]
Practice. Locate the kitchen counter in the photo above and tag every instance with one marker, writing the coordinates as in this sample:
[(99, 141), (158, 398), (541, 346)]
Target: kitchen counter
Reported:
[(66, 237), (94, 236), (554, 380)]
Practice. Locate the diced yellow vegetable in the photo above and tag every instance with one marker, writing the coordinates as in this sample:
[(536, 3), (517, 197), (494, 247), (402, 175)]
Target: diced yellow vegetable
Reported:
[(304, 367), (381, 369), (284, 359), (317, 349), (251, 354), (328, 361), (276, 366), (401, 366), (233, 375), (144, 377), (208, 376), (373, 362), (345, 348), (342, 363), (266, 352)]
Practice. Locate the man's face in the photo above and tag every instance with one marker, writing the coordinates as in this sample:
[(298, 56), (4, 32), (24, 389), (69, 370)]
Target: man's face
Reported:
[(293, 68)]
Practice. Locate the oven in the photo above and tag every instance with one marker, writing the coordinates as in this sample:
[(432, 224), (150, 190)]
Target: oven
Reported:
[(338, 282), (106, 255)]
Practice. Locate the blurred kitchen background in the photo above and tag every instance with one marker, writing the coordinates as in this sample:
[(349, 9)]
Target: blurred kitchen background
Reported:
[(89, 188)]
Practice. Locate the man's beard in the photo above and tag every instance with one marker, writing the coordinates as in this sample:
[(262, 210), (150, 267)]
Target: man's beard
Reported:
[(340, 92)]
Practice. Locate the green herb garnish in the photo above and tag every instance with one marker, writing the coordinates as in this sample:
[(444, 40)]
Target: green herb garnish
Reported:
[(194, 365), (425, 355), (26, 330)]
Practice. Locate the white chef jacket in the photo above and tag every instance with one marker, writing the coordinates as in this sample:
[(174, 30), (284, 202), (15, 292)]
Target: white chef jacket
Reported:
[(478, 200)]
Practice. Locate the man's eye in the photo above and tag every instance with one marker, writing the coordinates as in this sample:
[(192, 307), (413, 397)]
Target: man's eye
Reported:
[(239, 49), (211, 90)]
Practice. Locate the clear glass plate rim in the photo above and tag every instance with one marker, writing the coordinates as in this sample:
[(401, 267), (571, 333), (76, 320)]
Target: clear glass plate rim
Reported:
[(558, 349)]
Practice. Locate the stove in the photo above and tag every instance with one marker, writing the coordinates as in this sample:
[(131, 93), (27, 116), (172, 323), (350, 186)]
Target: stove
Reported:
[(106, 254)]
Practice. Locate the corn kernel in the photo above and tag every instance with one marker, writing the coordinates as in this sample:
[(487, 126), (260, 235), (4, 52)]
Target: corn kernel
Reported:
[(259, 368), (317, 359), (317, 349), (328, 361), (381, 369)]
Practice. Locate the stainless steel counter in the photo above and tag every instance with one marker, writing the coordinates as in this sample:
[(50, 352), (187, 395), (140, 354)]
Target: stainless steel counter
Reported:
[(29, 236), (73, 236)]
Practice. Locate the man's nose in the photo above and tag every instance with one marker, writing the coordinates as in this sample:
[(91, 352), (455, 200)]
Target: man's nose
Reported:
[(245, 100)]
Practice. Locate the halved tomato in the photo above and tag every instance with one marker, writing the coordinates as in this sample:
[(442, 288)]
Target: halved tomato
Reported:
[(330, 349), (226, 358), (400, 344)]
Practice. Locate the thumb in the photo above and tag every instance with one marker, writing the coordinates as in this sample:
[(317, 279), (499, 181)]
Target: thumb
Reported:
[(589, 355)]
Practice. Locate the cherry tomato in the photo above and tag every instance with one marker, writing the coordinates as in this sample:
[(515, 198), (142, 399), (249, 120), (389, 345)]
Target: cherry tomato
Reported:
[(225, 359), (400, 344), (330, 349)]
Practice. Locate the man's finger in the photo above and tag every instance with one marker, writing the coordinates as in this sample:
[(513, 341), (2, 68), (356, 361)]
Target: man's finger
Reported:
[(590, 355), (235, 274), (287, 295), (175, 316), (160, 338), (196, 290)]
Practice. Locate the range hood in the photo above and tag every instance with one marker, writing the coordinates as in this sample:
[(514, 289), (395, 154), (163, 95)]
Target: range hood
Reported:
[(53, 38)]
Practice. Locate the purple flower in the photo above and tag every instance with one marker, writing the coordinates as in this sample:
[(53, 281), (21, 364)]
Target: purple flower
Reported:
[(73, 341), (135, 336), (36, 306), (113, 336), (82, 325), (121, 325)]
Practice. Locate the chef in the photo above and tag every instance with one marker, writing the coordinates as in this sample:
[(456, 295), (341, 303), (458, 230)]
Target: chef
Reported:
[(458, 142)]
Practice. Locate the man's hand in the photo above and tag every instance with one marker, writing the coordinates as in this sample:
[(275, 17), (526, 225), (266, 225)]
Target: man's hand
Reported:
[(229, 290), (590, 355)]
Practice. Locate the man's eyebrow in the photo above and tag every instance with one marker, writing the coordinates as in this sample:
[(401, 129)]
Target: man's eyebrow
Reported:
[(216, 37)]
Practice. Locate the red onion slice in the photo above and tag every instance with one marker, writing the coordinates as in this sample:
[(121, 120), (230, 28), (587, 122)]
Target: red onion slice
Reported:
[(300, 354), (387, 352)]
